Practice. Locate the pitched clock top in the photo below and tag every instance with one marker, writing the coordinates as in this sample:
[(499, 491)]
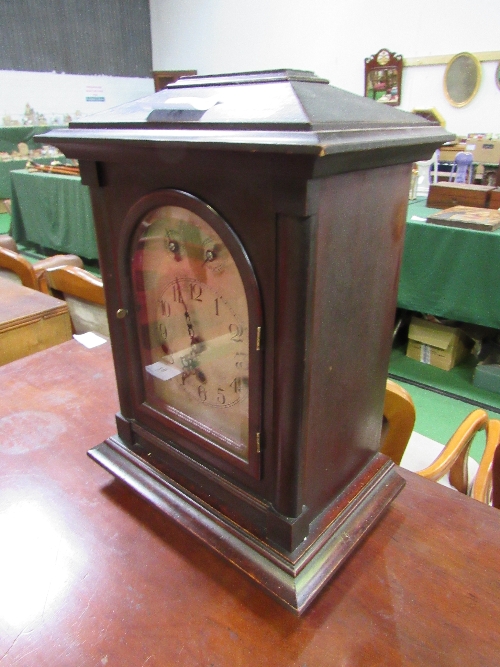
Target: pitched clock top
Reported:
[(278, 108), (292, 99)]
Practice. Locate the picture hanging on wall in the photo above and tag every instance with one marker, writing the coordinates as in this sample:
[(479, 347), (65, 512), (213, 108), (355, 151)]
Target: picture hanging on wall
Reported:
[(497, 76), (383, 75), (461, 79)]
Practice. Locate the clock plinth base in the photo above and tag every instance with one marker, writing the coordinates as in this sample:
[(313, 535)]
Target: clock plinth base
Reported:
[(294, 579)]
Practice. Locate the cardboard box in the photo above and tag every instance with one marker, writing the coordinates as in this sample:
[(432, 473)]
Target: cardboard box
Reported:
[(484, 150), (448, 153), (436, 344)]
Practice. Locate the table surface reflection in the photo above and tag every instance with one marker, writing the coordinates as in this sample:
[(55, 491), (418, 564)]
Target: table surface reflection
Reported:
[(90, 574)]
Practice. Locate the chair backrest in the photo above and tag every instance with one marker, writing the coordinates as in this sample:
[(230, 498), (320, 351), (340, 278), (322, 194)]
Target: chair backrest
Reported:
[(453, 459), (6, 241), (461, 171), (84, 295), (398, 423), (482, 487), (425, 177), (495, 481), (15, 267)]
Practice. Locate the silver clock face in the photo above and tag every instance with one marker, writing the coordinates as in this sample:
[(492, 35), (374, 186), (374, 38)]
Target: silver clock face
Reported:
[(194, 326)]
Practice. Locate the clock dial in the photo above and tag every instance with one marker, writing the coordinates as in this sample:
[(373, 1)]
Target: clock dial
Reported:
[(194, 326)]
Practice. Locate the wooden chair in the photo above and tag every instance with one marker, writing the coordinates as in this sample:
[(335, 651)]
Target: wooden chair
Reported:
[(495, 475), (6, 241), (84, 294), (14, 266), (399, 419)]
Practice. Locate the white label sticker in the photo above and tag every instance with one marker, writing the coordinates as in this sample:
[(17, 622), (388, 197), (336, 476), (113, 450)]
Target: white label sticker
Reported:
[(162, 371), (425, 354)]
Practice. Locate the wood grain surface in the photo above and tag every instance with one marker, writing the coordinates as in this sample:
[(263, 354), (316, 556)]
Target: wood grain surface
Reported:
[(92, 575)]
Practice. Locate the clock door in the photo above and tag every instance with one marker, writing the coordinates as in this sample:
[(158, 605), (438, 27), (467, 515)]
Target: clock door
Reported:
[(198, 329)]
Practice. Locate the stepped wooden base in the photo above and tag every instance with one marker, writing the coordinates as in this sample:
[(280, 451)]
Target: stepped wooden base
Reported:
[(294, 579)]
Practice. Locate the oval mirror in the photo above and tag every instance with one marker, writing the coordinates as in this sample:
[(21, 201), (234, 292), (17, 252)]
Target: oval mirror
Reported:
[(462, 79)]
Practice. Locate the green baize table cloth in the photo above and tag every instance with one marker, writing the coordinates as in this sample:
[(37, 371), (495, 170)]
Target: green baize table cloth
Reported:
[(6, 166), (450, 272), (54, 212)]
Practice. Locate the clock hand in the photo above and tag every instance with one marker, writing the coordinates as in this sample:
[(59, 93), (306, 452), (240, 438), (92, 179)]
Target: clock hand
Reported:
[(191, 360), (194, 339)]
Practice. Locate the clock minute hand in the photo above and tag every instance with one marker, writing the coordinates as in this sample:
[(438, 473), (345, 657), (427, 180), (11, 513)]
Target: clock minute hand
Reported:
[(189, 324), (191, 361)]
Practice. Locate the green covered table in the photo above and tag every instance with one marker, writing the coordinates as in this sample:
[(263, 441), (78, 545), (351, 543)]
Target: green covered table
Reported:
[(6, 166), (53, 212), (450, 272)]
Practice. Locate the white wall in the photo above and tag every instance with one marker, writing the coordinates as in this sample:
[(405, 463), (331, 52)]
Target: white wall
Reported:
[(57, 95), (332, 38)]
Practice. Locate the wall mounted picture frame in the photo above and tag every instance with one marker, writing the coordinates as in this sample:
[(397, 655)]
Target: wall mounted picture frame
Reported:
[(497, 76), (462, 79), (383, 76)]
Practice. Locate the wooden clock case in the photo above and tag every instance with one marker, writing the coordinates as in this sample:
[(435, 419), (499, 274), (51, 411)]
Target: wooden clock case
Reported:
[(314, 183)]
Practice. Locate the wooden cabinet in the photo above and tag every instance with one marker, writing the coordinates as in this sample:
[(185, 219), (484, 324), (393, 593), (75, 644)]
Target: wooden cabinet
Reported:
[(29, 321), (444, 195)]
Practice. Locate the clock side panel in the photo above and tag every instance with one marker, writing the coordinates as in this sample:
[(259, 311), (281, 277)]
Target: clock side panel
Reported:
[(358, 253)]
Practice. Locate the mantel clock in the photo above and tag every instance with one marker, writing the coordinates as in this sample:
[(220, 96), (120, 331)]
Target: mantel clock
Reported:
[(250, 231)]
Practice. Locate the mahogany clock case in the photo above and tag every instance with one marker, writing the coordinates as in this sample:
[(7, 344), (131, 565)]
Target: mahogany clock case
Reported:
[(316, 208)]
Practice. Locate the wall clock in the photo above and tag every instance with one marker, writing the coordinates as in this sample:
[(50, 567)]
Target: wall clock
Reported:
[(250, 249)]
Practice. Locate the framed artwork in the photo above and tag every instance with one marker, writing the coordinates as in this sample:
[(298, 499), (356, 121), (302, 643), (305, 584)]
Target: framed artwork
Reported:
[(383, 75), (462, 79), (497, 75)]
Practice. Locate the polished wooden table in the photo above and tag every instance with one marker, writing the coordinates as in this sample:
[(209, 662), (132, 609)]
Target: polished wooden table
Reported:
[(91, 575)]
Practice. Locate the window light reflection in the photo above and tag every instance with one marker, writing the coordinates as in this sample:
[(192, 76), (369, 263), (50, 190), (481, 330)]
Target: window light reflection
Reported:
[(35, 563)]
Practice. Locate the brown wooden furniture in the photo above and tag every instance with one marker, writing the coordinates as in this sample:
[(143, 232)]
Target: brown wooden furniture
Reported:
[(445, 195), (482, 487), (495, 479), (6, 241), (495, 198), (92, 574), (163, 78), (23, 271), (84, 295), (236, 297), (29, 321), (399, 419)]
